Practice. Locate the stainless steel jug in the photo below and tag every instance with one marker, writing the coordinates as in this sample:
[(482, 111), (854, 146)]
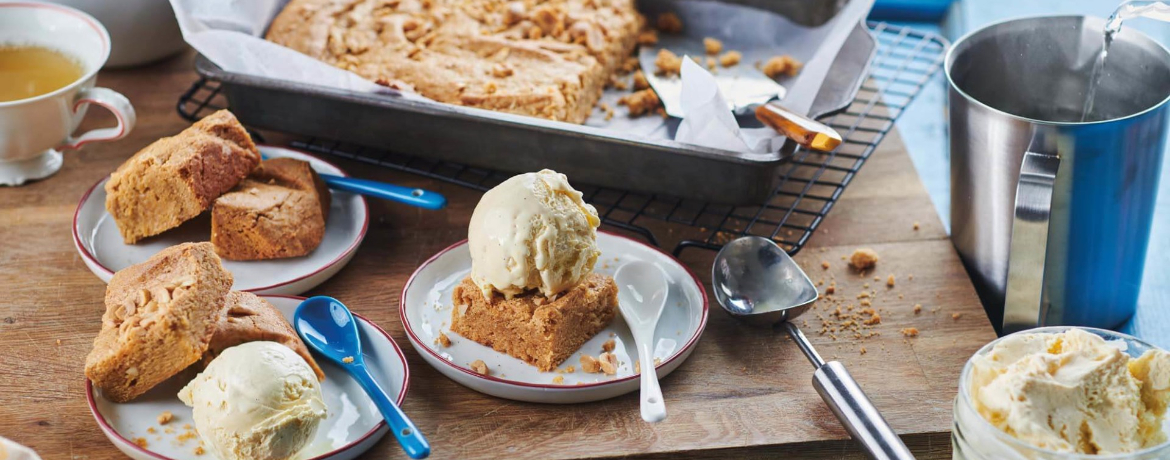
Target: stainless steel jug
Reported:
[(1052, 215)]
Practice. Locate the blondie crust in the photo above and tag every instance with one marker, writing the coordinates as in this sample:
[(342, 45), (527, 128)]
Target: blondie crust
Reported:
[(543, 58), (177, 178), (530, 327), (278, 211), (159, 318)]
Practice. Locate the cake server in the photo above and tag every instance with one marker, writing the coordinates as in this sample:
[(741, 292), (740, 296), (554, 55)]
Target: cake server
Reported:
[(642, 290), (425, 199), (327, 326), (757, 282)]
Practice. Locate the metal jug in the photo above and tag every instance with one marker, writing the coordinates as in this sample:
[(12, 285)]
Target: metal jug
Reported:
[(1052, 215)]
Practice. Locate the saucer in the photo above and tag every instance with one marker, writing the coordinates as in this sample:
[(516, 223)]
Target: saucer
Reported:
[(352, 426), (97, 238), (425, 310), (15, 173)]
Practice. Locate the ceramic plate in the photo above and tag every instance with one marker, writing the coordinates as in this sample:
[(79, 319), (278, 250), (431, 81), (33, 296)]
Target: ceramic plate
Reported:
[(426, 311), (352, 426), (97, 239)]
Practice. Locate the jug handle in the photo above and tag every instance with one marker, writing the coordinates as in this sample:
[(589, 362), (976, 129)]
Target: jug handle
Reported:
[(1029, 244)]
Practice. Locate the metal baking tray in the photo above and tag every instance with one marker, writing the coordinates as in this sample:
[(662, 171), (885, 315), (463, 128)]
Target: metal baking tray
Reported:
[(630, 154)]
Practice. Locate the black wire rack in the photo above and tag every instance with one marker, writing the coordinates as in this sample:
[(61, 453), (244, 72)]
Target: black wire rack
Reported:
[(906, 59)]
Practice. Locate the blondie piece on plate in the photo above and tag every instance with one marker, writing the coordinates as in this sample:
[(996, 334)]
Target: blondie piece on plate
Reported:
[(176, 178), (542, 58), (159, 318), (249, 318), (532, 328), (278, 211)]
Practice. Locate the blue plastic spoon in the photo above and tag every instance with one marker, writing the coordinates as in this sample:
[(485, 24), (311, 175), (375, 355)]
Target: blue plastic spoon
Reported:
[(425, 199), (327, 326)]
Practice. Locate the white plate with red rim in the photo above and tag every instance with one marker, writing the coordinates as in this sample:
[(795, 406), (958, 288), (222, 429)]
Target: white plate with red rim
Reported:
[(97, 239), (352, 426), (426, 306)]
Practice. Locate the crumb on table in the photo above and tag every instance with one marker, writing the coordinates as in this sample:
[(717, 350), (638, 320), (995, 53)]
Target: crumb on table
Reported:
[(781, 65), (956, 315), (916, 225), (863, 258), (669, 23), (667, 63), (863, 351), (712, 45), (890, 280), (825, 264), (608, 345), (910, 332), (830, 290), (730, 58), (917, 308), (479, 367), (165, 417)]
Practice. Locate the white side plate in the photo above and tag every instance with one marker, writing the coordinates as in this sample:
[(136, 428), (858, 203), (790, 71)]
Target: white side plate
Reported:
[(426, 311), (352, 426), (97, 239)]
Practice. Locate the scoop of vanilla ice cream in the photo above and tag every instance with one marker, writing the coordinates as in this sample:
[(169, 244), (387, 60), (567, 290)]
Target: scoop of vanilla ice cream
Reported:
[(256, 401), (532, 231), (1072, 392)]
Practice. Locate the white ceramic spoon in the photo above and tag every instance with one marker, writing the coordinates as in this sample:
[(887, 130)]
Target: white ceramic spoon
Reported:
[(642, 290)]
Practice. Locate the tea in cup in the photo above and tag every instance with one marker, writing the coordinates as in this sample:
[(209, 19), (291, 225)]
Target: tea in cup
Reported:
[(49, 59)]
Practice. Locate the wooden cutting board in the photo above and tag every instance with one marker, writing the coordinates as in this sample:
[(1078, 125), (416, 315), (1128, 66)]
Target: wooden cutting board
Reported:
[(744, 393)]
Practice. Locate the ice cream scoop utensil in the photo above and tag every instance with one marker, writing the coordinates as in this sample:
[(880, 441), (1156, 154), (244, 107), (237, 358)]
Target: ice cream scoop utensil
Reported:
[(642, 290), (756, 281), (327, 327)]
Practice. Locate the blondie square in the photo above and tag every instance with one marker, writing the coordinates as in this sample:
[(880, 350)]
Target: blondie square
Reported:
[(278, 211), (249, 318), (537, 330), (160, 315), (176, 178)]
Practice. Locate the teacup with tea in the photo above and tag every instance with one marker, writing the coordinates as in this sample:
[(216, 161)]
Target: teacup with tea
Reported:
[(49, 58)]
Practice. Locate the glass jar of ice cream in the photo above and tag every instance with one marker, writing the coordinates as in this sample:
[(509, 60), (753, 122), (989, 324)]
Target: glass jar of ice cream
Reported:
[(1063, 393)]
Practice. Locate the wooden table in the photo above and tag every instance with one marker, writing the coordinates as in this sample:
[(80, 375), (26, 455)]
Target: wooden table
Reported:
[(744, 393)]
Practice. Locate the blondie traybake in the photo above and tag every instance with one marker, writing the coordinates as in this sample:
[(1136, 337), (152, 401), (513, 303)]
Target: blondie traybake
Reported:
[(176, 178), (530, 327), (542, 58)]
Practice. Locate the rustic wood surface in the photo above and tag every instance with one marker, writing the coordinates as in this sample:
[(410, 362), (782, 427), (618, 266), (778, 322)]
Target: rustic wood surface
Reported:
[(744, 393)]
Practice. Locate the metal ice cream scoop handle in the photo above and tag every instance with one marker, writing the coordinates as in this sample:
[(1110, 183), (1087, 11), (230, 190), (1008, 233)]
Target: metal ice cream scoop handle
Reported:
[(757, 282)]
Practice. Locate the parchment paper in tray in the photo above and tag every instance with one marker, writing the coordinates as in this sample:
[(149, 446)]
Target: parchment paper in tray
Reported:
[(228, 32)]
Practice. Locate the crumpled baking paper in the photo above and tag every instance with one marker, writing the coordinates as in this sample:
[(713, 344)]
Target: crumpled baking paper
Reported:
[(229, 33), (707, 120)]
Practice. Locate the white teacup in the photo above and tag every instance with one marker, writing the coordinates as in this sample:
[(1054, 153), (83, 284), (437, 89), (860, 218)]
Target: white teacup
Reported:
[(32, 129)]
